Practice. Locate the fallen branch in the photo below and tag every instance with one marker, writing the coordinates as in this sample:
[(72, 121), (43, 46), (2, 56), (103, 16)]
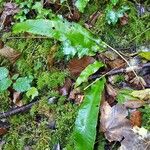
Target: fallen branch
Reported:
[(122, 70), (18, 110), (117, 71)]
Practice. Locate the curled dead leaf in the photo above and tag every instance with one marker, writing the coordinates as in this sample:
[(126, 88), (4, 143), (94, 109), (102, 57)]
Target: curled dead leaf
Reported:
[(136, 139), (136, 118), (3, 131), (134, 104), (111, 91), (17, 99), (66, 88), (76, 66), (9, 10), (113, 121), (9, 53)]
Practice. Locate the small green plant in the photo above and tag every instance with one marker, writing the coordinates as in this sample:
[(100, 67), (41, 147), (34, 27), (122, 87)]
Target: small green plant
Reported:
[(5, 81), (21, 84), (36, 8), (113, 14)]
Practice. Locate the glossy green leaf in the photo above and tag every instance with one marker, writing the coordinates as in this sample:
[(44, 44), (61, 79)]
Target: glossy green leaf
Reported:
[(145, 55), (22, 84), (3, 73), (86, 122), (32, 92), (81, 4), (114, 2), (89, 70), (75, 39), (4, 84)]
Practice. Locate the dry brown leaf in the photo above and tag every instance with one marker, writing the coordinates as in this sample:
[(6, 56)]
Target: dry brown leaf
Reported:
[(117, 63), (66, 88), (136, 118), (114, 122), (76, 96), (136, 139), (76, 66), (10, 9), (124, 20), (3, 131), (17, 99), (9, 53), (111, 91), (134, 103)]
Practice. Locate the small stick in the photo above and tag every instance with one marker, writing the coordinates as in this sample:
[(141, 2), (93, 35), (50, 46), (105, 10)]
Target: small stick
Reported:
[(117, 71), (17, 110)]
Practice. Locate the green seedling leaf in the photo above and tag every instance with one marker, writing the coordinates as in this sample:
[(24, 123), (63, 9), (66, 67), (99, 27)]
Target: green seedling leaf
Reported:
[(89, 70), (4, 84), (32, 92), (145, 55), (114, 2), (75, 39), (124, 95), (86, 122), (3, 73), (81, 4), (111, 17), (22, 84)]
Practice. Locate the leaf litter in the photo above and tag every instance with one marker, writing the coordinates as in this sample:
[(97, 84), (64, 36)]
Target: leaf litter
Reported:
[(120, 111)]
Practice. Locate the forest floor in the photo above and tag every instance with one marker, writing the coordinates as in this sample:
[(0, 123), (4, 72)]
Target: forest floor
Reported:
[(74, 75)]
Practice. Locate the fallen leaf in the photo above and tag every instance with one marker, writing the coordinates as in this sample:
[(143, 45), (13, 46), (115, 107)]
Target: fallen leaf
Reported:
[(76, 66), (1, 44), (74, 15), (73, 93), (124, 20), (93, 18), (66, 88), (136, 139), (17, 99), (117, 63), (141, 94), (110, 90), (10, 9), (113, 121), (136, 118), (134, 103), (3, 131), (9, 53)]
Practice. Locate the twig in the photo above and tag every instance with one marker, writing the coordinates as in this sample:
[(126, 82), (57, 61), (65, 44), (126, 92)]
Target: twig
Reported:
[(117, 71), (123, 59), (18, 110), (28, 37)]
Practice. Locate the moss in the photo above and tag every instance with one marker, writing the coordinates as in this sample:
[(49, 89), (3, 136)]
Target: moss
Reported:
[(123, 36), (33, 130)]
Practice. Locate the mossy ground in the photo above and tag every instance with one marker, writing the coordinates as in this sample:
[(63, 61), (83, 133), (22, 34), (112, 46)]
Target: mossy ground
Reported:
[(32, 129)]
